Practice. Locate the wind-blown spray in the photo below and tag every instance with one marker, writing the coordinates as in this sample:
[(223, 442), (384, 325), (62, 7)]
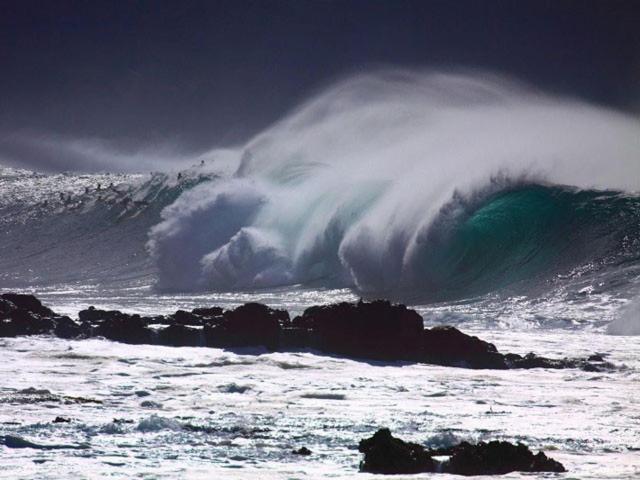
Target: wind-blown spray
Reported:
[(414, 185)]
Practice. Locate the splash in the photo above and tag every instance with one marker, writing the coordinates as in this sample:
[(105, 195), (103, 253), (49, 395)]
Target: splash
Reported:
[(404, 184), (628, 321)]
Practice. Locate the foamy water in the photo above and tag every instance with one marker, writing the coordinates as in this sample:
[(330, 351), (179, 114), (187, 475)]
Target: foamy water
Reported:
[(197, 412)]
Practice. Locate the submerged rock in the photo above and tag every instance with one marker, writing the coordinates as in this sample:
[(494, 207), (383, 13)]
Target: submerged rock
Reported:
[(386, 454), (14, 441), (304, 451)]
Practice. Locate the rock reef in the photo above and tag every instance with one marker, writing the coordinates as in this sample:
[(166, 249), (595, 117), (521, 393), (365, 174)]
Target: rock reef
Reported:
[(373, 331)]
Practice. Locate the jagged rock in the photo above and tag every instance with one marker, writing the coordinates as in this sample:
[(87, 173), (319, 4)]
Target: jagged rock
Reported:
[(24, 315), (28, 303), (386, 454), (61, 420), (251, 324), (122, 328), (449, 346), (497, 458), (376, 330), (66, 328)]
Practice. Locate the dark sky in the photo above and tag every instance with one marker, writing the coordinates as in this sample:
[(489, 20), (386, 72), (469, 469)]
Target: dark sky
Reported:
[(213, 72)]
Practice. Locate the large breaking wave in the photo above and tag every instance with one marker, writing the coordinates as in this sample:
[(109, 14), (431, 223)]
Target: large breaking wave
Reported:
[(416, 186)]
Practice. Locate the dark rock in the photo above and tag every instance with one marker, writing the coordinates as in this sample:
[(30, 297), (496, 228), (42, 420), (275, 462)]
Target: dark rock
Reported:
[(180, 336), (95, 315), (28, 303), (251, 324), (497, 458), (6, 307), (185, 318), (302, 451), (209, 312), (61, 420), (117, 326), (24, 322), (66, 328), (24, 315), (119, 421), (376, 330), (292, 338), (386, 454), (449, 346), (531, 360)]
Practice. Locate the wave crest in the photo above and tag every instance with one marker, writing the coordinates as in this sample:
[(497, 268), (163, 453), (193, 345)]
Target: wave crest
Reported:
[(408, 184)]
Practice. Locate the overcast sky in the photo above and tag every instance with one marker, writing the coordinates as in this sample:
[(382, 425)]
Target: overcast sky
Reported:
[(196, 74)]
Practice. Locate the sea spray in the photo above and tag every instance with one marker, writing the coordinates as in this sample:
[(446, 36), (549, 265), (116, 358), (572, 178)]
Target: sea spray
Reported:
[(628, 321), (367, 184)]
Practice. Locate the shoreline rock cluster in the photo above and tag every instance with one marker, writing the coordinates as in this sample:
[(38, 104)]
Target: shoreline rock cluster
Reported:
[(375, 331), (385, 454)]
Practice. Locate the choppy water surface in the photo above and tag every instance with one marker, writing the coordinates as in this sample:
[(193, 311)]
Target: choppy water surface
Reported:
[(159, 412)]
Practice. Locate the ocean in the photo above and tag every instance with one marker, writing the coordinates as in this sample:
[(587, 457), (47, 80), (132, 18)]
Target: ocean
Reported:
[(507, 213)]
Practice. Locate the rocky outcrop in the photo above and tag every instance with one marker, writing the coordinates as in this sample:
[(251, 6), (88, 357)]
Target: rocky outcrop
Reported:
[(449, 346), (386, 454), (115, 325), (25, 315), (376, 330), (27, 303), (497, 458), (249, 325)]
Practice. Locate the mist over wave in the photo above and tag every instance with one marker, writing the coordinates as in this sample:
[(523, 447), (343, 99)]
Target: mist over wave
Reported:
[(413, 185), (51, 153), (628, 321)]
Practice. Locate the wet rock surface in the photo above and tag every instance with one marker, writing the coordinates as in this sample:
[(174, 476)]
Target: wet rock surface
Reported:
[(497, 458), (385, 454), (377, 330)]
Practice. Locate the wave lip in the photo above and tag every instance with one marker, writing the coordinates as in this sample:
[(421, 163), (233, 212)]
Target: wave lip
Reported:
[(416, 186)]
